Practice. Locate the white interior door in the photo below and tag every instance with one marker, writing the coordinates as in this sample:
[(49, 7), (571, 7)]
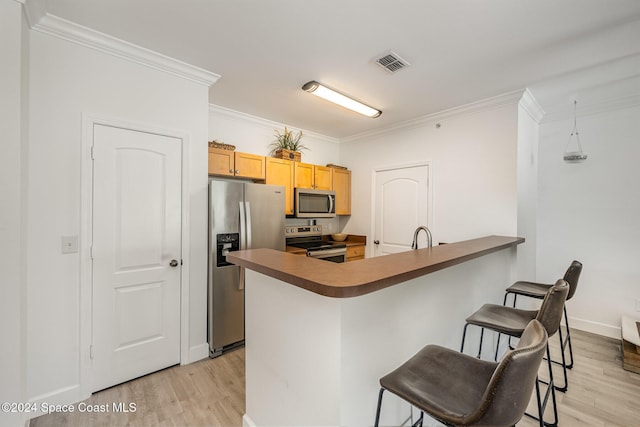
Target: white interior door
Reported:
[(401, 205), (136, 238)]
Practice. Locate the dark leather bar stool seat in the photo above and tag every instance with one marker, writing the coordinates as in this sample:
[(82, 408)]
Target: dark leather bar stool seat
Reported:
[(538, 291), (513, 321), (457, 389)]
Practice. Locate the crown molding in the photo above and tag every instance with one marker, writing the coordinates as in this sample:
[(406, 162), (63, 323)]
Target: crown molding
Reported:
[(34, 10), (529, 103), (66, 30), (565, 111), (510, 98), (216, 110)]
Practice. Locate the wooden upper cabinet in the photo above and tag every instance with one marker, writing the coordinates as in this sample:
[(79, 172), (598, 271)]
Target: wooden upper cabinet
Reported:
[(313, 176), (233, 163), (284, 172), (249, 165), (280, 172), (221, 162), (342, 187), (303, 175), (322, 178)]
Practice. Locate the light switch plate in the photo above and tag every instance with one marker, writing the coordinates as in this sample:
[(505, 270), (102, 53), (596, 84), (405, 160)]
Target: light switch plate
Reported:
[(69, 244)]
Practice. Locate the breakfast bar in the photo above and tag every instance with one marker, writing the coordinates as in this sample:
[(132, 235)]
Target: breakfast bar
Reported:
[(319, 335)]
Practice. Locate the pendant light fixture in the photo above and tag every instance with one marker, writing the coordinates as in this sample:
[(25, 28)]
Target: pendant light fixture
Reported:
[(574, 156), (340, 99)]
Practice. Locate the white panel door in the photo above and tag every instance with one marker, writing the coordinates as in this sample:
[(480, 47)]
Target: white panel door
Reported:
[(401, 205), (136, 252)]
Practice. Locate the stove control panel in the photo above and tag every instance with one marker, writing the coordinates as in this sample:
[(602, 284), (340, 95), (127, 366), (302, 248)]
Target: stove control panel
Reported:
[(303, 230)]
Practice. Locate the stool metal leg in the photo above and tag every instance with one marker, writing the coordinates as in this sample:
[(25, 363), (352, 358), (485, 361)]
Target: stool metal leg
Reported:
[(495, 357), (464, 335), (563, 344), (542, 402), (379, 407), (568, 339), (563, 363), (419, 421)]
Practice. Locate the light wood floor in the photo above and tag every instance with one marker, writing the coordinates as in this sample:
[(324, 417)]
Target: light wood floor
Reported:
[(206, 393), (210, 393)]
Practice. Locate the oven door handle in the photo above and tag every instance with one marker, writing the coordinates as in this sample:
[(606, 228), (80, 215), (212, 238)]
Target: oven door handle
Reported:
[(323, 253)]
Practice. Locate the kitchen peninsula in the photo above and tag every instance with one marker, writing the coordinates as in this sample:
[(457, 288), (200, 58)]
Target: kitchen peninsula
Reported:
[(319, 335)]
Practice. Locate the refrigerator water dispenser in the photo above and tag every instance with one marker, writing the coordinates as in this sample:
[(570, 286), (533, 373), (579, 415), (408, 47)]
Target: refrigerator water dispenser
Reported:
[(227, 242)]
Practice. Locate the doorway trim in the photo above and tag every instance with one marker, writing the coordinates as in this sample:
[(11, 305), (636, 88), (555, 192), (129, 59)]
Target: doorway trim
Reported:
[(89, 120), (374, 172)]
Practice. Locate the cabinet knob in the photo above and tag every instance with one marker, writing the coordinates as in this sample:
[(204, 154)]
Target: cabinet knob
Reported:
[(376, 242), (230, 170), (174, 263), (237, 171)]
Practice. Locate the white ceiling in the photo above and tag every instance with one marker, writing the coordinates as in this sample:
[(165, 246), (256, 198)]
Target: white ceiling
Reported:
[(460, 50)]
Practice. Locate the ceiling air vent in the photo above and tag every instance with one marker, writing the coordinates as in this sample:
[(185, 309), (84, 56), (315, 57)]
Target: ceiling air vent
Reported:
[(391, 62)]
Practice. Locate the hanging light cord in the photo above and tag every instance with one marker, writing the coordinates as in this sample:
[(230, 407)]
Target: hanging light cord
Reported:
[(575, 128)]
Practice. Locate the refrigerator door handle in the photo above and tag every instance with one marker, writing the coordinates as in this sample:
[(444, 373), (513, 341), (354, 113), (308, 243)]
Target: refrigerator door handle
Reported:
[(243, 228), (248, 214)]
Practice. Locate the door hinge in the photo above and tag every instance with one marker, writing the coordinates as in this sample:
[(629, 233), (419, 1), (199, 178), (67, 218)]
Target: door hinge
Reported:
[(91, 352), (91, 252)]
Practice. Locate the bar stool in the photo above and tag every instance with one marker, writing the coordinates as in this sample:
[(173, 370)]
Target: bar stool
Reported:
[(513, 321), (457, 389), (538, 291)]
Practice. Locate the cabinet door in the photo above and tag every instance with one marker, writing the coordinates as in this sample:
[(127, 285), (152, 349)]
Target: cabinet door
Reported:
[(221, 162), (322, 178), (355, 252), (342, 187), (303, 175), (280, 172), (249, 165)]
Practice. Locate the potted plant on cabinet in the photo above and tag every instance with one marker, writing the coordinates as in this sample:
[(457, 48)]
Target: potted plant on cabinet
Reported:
[(287, 145)]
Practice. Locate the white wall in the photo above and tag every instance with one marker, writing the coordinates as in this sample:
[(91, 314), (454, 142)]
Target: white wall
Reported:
[(473, 155), (12, 82), (589, 211), (67, 80), (529, 115)]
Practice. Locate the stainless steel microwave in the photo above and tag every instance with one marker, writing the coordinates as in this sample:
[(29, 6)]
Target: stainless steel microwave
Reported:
[(315, 203)]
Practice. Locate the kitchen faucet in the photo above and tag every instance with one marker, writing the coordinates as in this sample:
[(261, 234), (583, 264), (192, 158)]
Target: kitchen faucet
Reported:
[(414, 245)]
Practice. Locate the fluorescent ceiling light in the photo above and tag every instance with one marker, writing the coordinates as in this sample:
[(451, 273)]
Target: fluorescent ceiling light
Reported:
[(340, 99)]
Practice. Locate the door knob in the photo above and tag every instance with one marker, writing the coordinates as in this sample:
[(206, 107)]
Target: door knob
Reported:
[(174, 263), (376, 242)]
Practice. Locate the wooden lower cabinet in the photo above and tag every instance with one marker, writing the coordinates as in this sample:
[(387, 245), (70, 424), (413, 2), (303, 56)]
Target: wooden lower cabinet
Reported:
[(280, 172), (355, 252)]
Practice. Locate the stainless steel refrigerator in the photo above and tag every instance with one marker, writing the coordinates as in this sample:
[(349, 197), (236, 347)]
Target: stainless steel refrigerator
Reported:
[(241, 216)]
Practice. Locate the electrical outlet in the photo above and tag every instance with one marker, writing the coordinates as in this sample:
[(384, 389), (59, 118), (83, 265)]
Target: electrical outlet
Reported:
[(69, 244)]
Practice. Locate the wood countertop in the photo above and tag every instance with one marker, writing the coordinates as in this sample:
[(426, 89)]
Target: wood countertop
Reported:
[(352, 279)]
